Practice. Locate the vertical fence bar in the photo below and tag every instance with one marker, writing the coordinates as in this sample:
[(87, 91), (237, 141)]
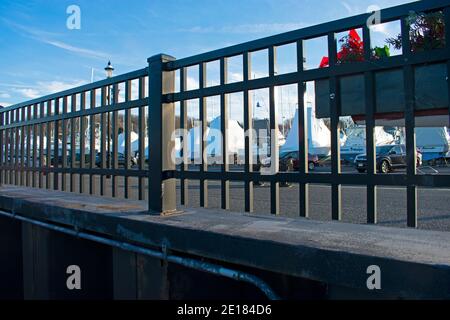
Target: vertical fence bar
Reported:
[(25, 147), (17, 154), (302, 137), (141, 139), (17, 150), (108, 129), (5, 163), (371, 148), (73, 149), (162, 185), (82, 141), (64, 144), (127, 128), (56, 147), (12, 156), (447, 44), (22, 148), (183, 125), (10, 144), (369, 84), (8, 133), (225, 167), (9, 138), (28, 156), (25, 157), (248, 128), (48, 154), (335, 109), (7, 151), (103, 137), (274, 185), (35, 155), (2, 146), (411, 155), (11, 151), (115, 133), (14, 153), (92, 134), (14, 150), (204, 126), (41, 147)]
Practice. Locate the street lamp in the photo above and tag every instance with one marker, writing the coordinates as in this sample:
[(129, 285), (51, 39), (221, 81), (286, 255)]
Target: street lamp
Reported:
[(109, 70)]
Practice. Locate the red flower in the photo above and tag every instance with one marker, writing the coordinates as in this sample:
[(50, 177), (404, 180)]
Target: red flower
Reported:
[(352, 50)]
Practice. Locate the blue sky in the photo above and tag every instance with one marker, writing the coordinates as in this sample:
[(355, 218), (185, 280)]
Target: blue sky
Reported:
[(40, 55)]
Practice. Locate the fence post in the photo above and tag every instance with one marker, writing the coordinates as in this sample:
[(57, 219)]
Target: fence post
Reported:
[(161, 125), (2, 116)]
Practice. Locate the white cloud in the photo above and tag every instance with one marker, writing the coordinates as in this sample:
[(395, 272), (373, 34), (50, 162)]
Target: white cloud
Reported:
[(4, 95), (48, 38), (77, 50), (235, 76), (192, 83), (57, 86), (380, 28), (43, 88), (28, 93), (350, 10), (5, 104)]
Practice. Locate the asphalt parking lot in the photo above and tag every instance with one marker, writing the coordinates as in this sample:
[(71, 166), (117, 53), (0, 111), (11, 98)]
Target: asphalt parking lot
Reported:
[(433, 204)]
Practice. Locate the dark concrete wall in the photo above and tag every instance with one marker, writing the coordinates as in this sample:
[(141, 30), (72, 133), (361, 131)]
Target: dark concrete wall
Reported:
[(34, 262), (46, 257), (143, 278), (11, 281)]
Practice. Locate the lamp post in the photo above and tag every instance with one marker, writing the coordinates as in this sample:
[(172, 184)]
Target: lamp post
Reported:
[(109, 69)]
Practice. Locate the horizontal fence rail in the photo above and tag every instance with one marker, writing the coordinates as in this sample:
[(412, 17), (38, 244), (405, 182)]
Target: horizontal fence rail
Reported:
[(83, 132), (58, 141)]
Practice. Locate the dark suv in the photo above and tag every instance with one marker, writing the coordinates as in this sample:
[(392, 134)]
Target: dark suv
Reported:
[(389, 157)]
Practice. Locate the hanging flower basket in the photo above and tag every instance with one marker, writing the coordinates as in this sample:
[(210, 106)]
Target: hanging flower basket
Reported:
[(431, 87)]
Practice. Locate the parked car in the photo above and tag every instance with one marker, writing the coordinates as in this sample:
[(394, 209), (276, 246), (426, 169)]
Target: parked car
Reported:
[(388, 158), (289, 161), (120, 156)]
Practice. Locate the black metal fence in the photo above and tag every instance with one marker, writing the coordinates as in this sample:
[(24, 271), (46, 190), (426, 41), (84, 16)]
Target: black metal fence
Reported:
[(25, 127), (40, 137)]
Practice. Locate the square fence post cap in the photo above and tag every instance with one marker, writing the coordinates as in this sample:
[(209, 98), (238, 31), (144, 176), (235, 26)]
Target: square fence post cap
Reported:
[(160, 57)]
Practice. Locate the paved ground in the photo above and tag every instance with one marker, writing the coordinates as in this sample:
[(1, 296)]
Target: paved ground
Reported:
[(433, 204)]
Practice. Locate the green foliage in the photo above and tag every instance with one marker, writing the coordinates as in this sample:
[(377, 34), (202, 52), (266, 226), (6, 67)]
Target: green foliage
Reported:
[(426, 32), (381, 52)]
